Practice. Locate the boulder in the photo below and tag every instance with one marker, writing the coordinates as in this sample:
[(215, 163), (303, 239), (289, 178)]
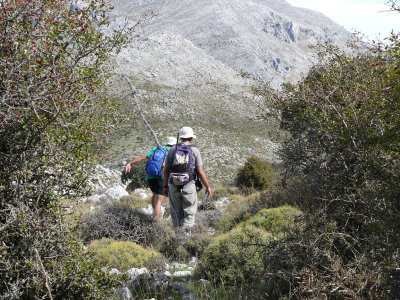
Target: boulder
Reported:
[(94, 198), (149, 210), (116, 192), (134, 272)]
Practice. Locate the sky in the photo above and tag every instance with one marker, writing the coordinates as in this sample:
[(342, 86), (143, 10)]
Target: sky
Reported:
[(371, 17)]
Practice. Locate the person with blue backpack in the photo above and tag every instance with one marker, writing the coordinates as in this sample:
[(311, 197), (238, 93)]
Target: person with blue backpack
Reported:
[(154, 169), (183, 166)]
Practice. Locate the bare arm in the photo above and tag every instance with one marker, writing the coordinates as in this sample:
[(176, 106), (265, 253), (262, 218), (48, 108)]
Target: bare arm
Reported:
[(134, 161), (203, 178)]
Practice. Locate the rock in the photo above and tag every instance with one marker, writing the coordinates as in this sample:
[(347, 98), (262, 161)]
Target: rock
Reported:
[(142, 195), (136, 191), (177, 265), (222, 202), (167, 273), (134, 272), (183, 273), (149, 210), (116, 193), (83, 200), (103, 198), (193, 262), (125, 293), (94, 198), (204, 282), (114, 271), (159, 282)]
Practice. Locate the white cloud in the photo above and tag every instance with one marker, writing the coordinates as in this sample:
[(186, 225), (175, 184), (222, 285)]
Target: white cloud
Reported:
[(369, 17)]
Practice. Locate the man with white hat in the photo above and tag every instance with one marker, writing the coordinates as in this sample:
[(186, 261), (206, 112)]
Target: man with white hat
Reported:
[(182, 165), (155, 182)]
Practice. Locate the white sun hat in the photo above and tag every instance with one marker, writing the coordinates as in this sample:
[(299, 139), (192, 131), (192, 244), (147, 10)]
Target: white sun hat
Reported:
[(170, 141), (186, 132)]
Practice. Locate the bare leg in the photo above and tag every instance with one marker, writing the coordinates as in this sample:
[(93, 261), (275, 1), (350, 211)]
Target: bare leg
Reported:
[(156, 201)]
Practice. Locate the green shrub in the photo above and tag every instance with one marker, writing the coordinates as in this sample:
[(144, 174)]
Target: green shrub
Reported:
[(137, 175), (235, 257), (197, 244), (275, 220), (239, 209), (223, 190), (256, 173), (230, 221), (122, 255)]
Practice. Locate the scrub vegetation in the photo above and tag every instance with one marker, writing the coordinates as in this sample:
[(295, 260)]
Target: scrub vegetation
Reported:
[(323, 223)]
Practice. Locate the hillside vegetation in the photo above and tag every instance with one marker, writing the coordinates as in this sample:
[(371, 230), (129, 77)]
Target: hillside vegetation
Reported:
[(341, 166), (305, 179)]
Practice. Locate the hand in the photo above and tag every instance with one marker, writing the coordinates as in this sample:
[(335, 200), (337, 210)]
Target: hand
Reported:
[(128, 168), (208, 191), (165, 191)]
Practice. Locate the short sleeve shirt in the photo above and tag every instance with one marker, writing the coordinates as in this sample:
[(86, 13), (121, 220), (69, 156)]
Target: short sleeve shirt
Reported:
[(196, 156), (150, 153)]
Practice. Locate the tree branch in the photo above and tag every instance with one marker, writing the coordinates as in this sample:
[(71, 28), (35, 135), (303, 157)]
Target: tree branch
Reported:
[(133, 94), (44, 273)]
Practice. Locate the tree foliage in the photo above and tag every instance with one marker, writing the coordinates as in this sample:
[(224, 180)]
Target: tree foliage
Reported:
[(344, 147), (54, 115)]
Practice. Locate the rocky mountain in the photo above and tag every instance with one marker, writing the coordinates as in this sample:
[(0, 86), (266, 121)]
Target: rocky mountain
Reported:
[(194, 63), (266, 38)]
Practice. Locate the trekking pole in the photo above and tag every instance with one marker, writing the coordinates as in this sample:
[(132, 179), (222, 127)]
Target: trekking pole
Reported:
[(133, 94)]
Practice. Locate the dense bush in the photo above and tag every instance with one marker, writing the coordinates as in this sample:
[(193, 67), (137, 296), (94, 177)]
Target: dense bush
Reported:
[(50, 261), (256, 173), (235, 257), (344, 153), (123, 223), (54, 115), (123, 255), (317, 261)]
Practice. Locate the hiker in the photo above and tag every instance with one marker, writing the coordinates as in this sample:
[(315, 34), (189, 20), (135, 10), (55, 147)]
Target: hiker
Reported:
[(155, 181), (182, 165)]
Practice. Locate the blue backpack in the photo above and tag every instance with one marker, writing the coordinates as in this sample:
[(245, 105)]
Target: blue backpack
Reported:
[(155, 163)]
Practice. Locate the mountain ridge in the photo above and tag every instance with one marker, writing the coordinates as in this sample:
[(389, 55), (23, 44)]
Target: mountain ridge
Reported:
[(194, 64), (267, 39)]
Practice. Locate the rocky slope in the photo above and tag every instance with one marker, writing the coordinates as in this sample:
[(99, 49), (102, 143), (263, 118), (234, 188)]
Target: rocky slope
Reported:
[(187, 66), (266, 38)]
